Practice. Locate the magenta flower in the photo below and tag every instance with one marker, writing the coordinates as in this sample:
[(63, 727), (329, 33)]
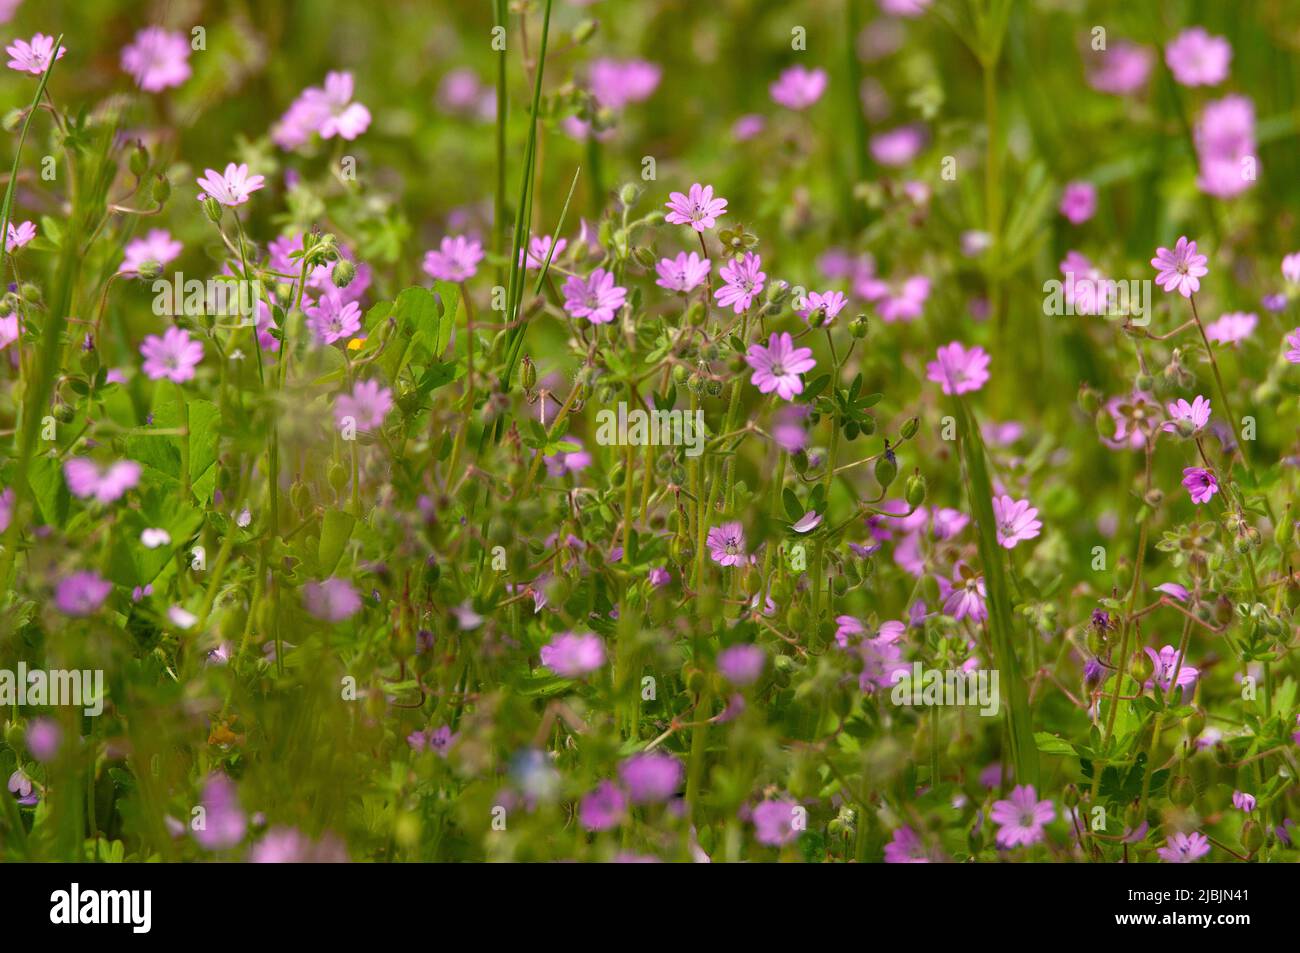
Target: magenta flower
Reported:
[(1016, 520), (6, 507), (567, 461), (1198, 59), (19, 235), (1187, 419), (823, 308), (367, 405), (1293, 346), (157, 59), (1181, 269), (573, 655), (173, 356), (232, 187), (898, 146), (1291, 267), (775, 822), (1121, 69), (286, 845), (1225, 147), (222, 824), (331, 600), (744, 280), (332, 319), (958, 369), (1232, 328), (1243, 801), (157, 246), (742, 664), (906, 848), (902, 302), (798, 87), (698, 209), (81, 593), (684, 273), (1020, 820), (597, 298), (339, 115), (616, 83), (727, 544), (539, 251), (778, 365), (33, 57), (87, 481), (965, 598), (1079, 202), (1184, 848), (20, 786), (44, 737), (1201, 484), (456, 259), (603, 808), (1164, 664), (651, 777)]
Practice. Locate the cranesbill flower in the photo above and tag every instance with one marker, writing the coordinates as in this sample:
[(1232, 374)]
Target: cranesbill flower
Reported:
[(966, 595), (684, 273), (651, 777), (898, 146), (778, 365), (906, 848), (1225, 147), (1020, 820), (87, 481), (573, 655), (44, 736), (81, 593), (959, 369), (822, 308), (698, 208), (19, 235), (339, 115), (1016, 520), (727, 544), (774, 822), (1187, 419), (603, 808), (1293, 346), (1184, 848), (1164, 664), (742, 664), (1243, 801), (1079, 202), (568, 461), (1180, 269), (331, 600), (232, 187), (367, 405), (799, 87), (33, 57), (615, 83), (1198, 59), (456, 259), (744, 280), (897, 302), (1201, 484), (157, 59), (224, 822), (1291, 267), (597, 298), (287, 845), (1121, 69), (157, 246), (173, 356), (539, 251), (6, 508), (332, 319), (1232, 328)]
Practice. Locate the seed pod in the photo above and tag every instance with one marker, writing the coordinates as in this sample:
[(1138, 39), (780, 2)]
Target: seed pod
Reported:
[(1141, 667), (344, 272), (915, 490), (1252, 836), (886, 468), (338, 477), (858, 327), (908, 430), (139, 160), (1182, 791)]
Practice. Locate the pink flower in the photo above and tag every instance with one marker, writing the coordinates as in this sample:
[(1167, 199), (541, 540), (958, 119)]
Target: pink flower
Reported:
[(1291, 267), (87, 481), (1180, 269), (1164, 664), (332, 319), (742, 664), (172, 356), (20, 236), (898, 146), (1016, 521), (727, 544), (1243, 801), (698, 209), (603, 808), (367, 405), (904, 8), (799, 87), (1201, 484), (822, 308), (684, 273), (157, 59), (1020, 820), (331, 600), (1187, 419), (567, 461), (906, 848), (572, 655), (615, 83), (1079, 202), (232, 187), (1293, 343), (744, 280), (777, 367), (597, 298), (339, 115), (1232, 328), (6, 507), (904, 302), (157, 246), (748, 126), (775, 822), (224, 822), (958, 369), (1121, 69), (1198, 59), (455, 260), (33, 57), (1184, 848), (539, 251), (81, 593), (651, 777), (966, 595), (1225, 147)]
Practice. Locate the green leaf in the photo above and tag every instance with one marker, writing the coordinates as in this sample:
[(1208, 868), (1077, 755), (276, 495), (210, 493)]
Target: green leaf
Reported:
[(336, 530)]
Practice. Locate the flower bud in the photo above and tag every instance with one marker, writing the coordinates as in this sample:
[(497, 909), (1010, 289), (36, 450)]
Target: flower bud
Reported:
[(909, 428), (1252, 836), (529, 373), (149, 270), (886, 468), (629, 194), (1140, 667), (915, 490), (858, 327), (344, 272), (338, 477), (584, 31), (212, 208), (139, 161), (1089, 399), (162, 189)]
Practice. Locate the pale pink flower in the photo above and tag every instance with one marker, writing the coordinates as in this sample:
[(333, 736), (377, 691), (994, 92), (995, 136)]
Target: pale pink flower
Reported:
[(331, 600), (1187, 419), (698, 208), (1079, 202), (897, 302), (573, 655), (157, 59), (33, 57), (960, 370), (81, 593), (157, 246), (339, 115), (456, 259), (540, 251), (727, 544), (799, 87), (596, 298), (1020, 820), (966, 595), (684, 273), (87, 480), (1183, 848), (898, 146), (173, 356), (1181, 269), (367, 405), (744, 280), (1198, 59), (333, 319), (1232, 328), (1016, 521), (1291, 267), (1201, 484), (822, 308), (232, 187), (1293, 345), (19, 236), (616, 83), (1121, 69), (778, 365)]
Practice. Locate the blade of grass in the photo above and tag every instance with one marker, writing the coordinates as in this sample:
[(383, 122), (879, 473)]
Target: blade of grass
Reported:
[(499, 209), (564, 212)]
